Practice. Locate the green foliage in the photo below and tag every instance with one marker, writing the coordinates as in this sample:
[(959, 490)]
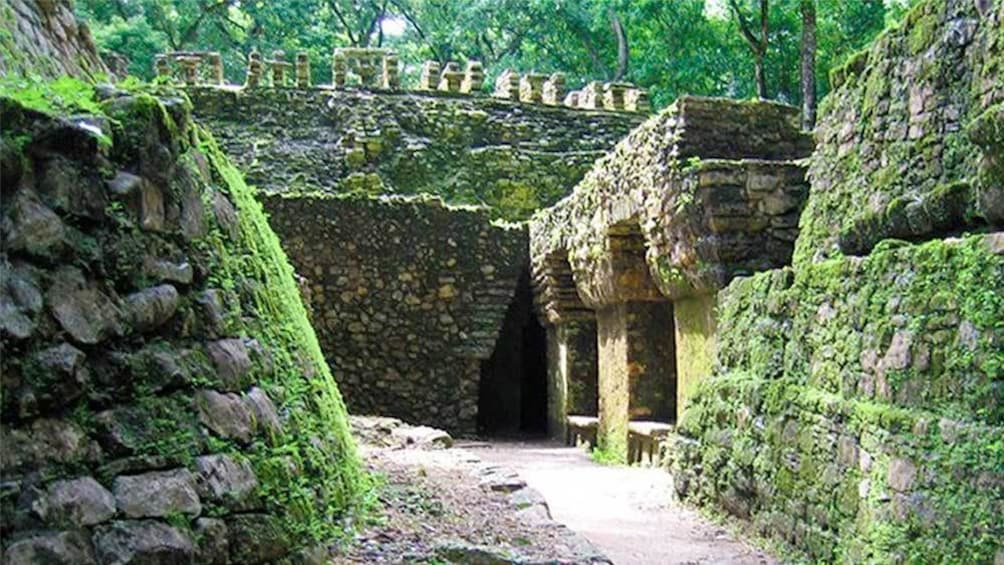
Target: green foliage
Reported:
[(673, 48), (62, 96), (606, 456)]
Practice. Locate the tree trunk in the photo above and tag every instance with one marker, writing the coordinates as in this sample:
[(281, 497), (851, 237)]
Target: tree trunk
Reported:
[(808, 64), (622, 45), (761, 80), (758, 45)]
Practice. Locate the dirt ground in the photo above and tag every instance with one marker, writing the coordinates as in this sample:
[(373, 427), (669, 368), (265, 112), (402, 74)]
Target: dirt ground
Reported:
[(449, 506), (525, 503), (629, 513)]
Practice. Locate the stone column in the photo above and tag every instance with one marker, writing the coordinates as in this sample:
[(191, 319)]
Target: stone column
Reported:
[(613, 95), (637, 369), (339, 69), (571, 372), (451, 78), (531, 88), (216, 68), (474, 77), (636, 100), (429, 79), (554, 89), (591, 96), (278, 68), (694, 322), (391, 78), (302, 70), (254, 70), (507, 85)]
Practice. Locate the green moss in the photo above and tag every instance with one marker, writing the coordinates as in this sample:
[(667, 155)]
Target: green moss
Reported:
[(820, 324), (329, 483)]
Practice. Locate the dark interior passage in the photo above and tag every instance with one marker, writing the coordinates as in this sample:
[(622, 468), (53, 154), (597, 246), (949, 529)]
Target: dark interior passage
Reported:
[(512, 397), (533, 390)]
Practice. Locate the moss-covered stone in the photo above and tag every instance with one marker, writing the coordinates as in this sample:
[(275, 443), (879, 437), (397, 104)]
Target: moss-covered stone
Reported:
[(831, 384), (892, 146), (178, 293), (511, 156)]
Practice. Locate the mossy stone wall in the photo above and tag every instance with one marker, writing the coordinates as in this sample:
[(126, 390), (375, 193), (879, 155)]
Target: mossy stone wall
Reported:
[(857, 410), (164, 397), (408, 296), (514, 157), (897, 156)]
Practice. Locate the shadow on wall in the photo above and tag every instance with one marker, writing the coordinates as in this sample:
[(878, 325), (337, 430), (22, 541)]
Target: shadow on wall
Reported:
[(512, 397)]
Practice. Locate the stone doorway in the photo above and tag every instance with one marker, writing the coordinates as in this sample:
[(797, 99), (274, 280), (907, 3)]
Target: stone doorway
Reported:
[(512, 396)]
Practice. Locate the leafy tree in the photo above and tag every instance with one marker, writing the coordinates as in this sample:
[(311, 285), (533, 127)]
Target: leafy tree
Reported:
[(737, 48)]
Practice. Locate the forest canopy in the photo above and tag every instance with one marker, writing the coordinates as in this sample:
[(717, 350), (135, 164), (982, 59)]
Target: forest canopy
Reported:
[(671, 47)]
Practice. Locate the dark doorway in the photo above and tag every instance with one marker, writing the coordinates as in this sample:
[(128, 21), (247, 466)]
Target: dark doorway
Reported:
[(512, 397), (533, 416)]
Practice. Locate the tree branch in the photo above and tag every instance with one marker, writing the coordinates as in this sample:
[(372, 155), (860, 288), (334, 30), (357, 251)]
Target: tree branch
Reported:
[(341, 19), (744, 26), (418, 29)]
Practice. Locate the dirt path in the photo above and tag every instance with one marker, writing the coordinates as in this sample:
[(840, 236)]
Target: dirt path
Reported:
[(627, 512)]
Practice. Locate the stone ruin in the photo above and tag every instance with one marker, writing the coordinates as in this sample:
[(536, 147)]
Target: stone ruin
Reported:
[(807, 337), (673, 218), (378, 69)]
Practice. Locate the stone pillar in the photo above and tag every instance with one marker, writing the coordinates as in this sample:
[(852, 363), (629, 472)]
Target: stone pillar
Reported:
[(613, 95), (636, 100), (507, 85), (391, 78), (637, 369), (591, 96), (554, 89), (278, 63), (572, 99), (571, 372), (254, 70), (474, 77), (162, 67), (190, 69), (339, 69), (531, 88), (451, 78), (302, 70), (216, 68), (429, 79), (694, 322)]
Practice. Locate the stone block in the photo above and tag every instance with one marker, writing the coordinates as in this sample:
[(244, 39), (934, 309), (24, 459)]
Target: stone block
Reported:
[(142, 542), (157, 494), (211, 540), (77, 502), (256, 538), (229, 482), (226, 415), (151, 308), (232, 363), (56, 548)]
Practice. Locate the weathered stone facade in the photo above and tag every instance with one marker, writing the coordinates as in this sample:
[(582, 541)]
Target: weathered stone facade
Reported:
[(856, 407), (408, 296), (46, 39), (164, 396), (896, 156), (512, 156), (701, 193)]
